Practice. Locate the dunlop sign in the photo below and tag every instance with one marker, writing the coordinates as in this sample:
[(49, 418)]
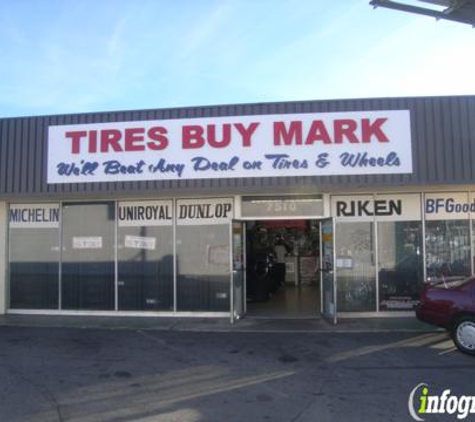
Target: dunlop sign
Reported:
[(192, 212)]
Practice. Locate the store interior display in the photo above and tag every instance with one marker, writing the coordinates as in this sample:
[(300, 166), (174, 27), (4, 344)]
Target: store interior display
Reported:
[(280, 253)]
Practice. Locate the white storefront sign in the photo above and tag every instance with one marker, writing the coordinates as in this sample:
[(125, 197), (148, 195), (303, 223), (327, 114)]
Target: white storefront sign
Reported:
[(34, 216), (448, 206), (310, 144), (145, 213), (192, 212), (387, 207)]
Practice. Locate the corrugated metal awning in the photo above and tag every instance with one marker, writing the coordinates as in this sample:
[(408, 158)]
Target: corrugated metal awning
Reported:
[(462, 11)]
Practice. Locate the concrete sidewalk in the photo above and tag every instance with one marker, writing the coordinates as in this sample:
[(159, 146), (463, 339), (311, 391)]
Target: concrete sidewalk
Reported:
[(356, 325)]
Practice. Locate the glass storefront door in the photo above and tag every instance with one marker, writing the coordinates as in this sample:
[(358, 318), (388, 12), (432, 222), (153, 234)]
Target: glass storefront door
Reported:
[(238, 273), (327, 265)]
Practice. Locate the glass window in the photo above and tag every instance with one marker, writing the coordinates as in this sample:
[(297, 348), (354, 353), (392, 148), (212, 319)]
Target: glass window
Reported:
[(203, 254), (400, 264), (473, 246), (88, 256), (355, 267), (34, 256), (203, 262), (145, 255), (448, 248)]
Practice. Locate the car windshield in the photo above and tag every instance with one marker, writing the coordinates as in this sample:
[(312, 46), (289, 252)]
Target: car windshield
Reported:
[(449, 282)]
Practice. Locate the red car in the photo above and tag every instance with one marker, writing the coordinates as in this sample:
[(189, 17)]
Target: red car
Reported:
[(451, 304)]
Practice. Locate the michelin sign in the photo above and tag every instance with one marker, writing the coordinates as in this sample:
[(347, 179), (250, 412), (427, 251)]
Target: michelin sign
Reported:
[(34, 216)]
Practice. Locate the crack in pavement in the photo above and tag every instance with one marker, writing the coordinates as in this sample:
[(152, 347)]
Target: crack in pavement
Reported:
[(42, 389), (318, 396)]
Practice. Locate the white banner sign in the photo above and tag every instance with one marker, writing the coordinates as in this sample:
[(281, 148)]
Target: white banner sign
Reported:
[(145, 213), (34, 215), (388, 207), (311, 144), (448, 206), (192, 212)]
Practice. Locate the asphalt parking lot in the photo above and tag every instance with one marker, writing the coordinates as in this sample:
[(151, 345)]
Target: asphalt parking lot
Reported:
[(73, 374)]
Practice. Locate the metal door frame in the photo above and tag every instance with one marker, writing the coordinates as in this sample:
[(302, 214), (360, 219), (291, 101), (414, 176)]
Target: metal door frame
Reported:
[(232, 313), (333, 270)]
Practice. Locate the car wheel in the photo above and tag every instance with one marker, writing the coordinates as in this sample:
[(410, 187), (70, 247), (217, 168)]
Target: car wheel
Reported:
[(463, 334)]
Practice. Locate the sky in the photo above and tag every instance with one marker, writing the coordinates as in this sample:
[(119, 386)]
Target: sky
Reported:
[(74, 56)]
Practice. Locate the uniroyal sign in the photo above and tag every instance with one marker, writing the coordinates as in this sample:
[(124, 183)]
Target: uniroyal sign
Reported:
[(145, 213), (346, 143)]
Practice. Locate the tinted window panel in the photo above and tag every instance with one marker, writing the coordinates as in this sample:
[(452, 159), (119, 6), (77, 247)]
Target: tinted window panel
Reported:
[(448, 248), (34, 268), (203, 268), (400, 264), (88, 256), (145, 268), (355, 267)]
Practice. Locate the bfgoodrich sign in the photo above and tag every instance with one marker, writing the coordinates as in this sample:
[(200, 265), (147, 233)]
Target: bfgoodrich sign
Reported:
[(370, 142)]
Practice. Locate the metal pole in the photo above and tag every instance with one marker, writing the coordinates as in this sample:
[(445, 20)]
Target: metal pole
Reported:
[(175, 266), (231, 273), (471, 235), (376, 256), (320, 275), (116, 256), (423, 215), (244, 265), (334, 269), (60, 263)]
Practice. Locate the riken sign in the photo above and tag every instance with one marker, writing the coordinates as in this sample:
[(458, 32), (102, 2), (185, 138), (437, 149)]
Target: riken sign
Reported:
[(346, 143), (387, 207)]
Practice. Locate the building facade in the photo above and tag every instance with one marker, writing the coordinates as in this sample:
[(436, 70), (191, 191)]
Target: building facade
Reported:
[(338, 208)]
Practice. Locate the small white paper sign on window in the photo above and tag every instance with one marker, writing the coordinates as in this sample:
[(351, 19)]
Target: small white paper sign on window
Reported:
[(87, 242), (344, 263), (218, 255), (139, 242)]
